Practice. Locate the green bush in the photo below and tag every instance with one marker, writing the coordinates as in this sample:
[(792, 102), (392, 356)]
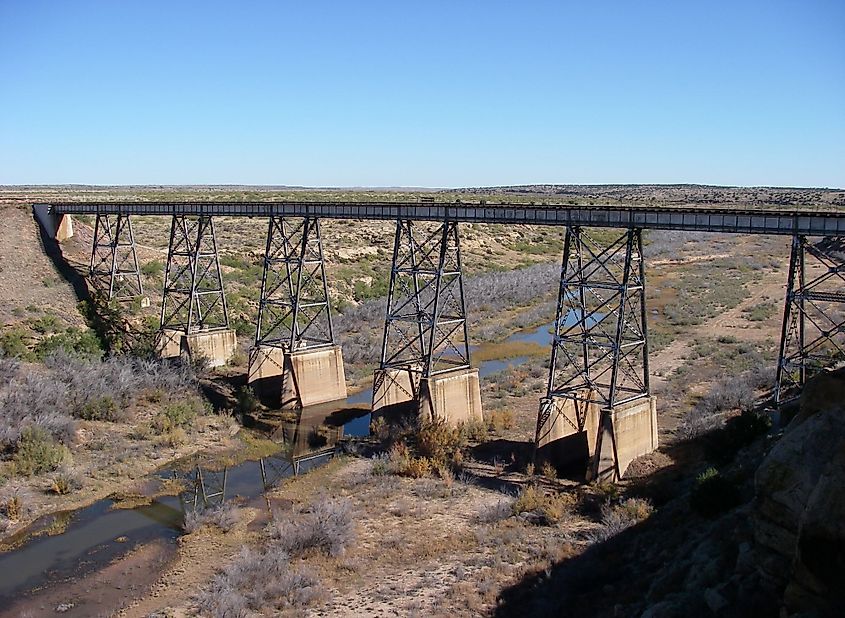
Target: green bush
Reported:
[(36, 452), (73, 341), (713, 494), (102, 409), (12, 343), (178, 415), (438, 441), (152, 269)]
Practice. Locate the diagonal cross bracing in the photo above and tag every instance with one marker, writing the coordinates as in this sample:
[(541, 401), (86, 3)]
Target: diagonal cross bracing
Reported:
[(294, 311), (600, 346), (193, 298), (113, 269), (813, 330), (425, 330)]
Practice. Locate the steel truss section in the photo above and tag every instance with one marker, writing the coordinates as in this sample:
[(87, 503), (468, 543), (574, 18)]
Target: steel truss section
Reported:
[(813, 330), (425, 331), (113, 270), (193, 298), (600, 346), (294, 310)]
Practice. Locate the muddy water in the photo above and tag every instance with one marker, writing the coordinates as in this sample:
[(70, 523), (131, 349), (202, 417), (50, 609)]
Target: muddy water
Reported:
[(96, 535)]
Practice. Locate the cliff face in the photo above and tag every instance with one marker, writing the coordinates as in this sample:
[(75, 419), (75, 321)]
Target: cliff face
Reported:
[(799, 509)]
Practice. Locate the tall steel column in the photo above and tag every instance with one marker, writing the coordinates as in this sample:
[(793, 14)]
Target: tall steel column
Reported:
[(813, 330), (600, 347), (294, 311), (113, 269), (193, 298), (425, 331)]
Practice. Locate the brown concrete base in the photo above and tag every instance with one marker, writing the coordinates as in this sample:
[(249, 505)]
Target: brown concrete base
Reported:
[(602, 445), (392, 387), (454, 396), (216, 346), (628, 432), (170, 343), (299, 379)]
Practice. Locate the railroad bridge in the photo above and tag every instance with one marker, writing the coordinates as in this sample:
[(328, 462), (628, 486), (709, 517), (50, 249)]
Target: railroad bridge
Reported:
[(598, 404)]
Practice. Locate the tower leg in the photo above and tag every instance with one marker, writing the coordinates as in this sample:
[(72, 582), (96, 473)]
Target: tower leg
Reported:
[(194, 315), (295, 361), (113, 269), (598, 409), (813, 328), (425, 360)]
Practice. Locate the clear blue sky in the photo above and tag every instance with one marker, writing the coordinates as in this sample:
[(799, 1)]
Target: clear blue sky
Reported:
[(399, 93)]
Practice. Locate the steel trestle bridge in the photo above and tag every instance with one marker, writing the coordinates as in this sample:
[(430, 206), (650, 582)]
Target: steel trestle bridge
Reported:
[(598, 359)]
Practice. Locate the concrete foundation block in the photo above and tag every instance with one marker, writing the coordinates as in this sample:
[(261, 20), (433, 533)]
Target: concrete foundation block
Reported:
[(58, 227), (392, 387), (170, 343), (568, 436), (218, 346), (454, 397), (298, 379), (628, 432), (576, 433)]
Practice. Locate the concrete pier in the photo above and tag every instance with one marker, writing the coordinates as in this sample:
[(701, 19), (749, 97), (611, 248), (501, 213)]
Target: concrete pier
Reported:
[(630, 430), (58, 227), (297, 379), (454, 396), (217, 346)]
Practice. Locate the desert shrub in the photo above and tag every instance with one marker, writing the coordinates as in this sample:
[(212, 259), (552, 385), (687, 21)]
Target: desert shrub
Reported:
[(499, 421), (37, 452), (620, 516), (102, 409), (12, 507), (178, 415), (418, 467), (475, 430), (152, 269), (713, 494), (437, 441), (257, 579), (13, 343), (380, 465), (547, 509), (496, 512), (64, 481), (34, 400), (9, 368), (247, 401), (548, 470), (82, 343), (327, 526), (223, 516)]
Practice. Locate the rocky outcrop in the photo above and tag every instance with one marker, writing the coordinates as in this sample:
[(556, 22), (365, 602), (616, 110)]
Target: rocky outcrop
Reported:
[(799, 506)]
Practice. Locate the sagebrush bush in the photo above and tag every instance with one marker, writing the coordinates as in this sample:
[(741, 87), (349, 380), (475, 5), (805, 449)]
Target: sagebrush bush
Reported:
[(326, 526), (258, 579), (620, 516), (37, 452), (550, 508), (713, 494), (223, 516), (438, 441), (178, 415)]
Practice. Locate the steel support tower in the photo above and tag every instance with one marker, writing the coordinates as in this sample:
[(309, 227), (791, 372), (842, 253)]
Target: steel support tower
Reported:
[(813, 330), (113, 270), (193, 299), (425, 331), (294, 311), (600, 347)]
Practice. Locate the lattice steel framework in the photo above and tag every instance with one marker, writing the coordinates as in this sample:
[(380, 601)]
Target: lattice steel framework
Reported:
[(600, 346), (813, 331), (294, 310), (113, 269), (425, 331), (193, 298)]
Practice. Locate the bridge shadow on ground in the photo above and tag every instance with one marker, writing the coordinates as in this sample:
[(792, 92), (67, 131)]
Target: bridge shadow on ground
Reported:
[(665, 566), (54, 251)]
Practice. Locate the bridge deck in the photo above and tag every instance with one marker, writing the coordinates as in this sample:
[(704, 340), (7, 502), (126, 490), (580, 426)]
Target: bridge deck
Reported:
[(811, 223)]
